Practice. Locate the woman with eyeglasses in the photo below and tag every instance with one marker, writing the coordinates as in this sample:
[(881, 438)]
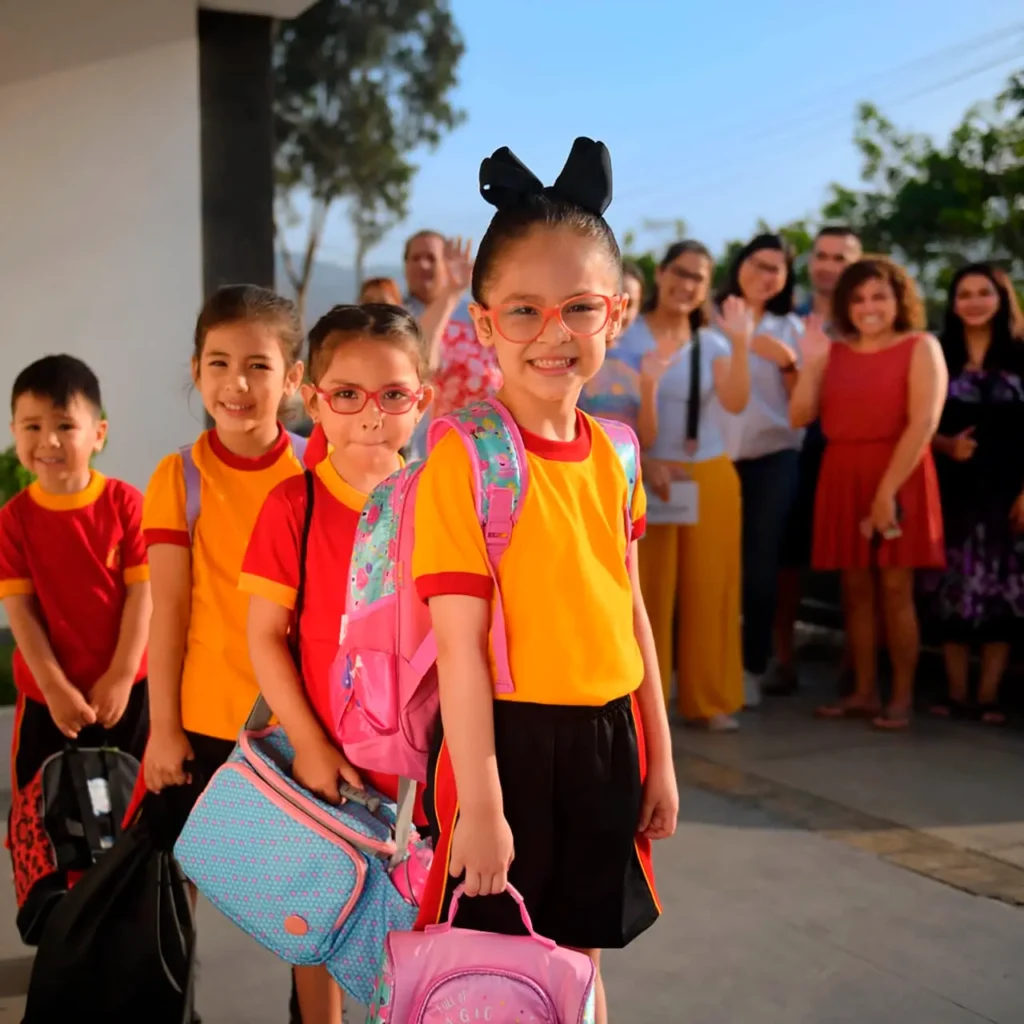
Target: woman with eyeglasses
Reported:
[(690, 555), (764, 447)]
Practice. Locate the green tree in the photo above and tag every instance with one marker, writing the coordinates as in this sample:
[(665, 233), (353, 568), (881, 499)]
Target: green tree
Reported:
[(14, 477), (934, 205), (359, 86)]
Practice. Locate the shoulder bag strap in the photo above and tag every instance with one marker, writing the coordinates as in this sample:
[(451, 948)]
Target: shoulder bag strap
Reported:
[(693, 401), (403, 820), (300, 590)]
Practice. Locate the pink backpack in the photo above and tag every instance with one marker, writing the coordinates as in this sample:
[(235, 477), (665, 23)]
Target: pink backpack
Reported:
[(444, 974), (383, 682)]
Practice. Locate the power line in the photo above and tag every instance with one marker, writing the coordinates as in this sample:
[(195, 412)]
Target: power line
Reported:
[(758, 131), (755, 129), (773, 135)]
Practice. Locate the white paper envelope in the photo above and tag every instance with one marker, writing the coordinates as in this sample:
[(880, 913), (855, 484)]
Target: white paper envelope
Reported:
[(683, 495)]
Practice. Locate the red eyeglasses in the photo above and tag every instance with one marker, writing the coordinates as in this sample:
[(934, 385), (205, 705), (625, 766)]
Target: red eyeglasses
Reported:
[(582, 315), (349, 399)]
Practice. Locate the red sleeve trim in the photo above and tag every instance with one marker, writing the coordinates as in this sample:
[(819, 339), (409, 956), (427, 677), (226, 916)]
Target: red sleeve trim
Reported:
[(179, 538), (639, 528), (442, 584)]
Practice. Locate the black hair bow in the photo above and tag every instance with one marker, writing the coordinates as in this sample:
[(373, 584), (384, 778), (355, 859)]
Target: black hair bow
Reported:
[(586, 179)]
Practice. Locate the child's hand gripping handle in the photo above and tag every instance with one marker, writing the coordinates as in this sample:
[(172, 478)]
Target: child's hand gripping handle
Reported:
[(359, 796), (511, 891)]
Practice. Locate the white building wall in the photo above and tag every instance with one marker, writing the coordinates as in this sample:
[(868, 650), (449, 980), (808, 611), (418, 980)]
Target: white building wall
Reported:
[(100, 238)]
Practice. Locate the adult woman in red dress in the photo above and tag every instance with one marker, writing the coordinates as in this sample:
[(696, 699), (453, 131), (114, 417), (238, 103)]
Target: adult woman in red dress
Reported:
[(878, 517)]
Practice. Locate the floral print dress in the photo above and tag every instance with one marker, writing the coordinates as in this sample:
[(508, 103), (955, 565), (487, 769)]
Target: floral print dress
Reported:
[(467, 372), (980, 595)]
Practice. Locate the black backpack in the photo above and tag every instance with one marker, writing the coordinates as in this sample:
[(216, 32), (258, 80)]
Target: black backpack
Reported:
[(120, 946), (61, 823)]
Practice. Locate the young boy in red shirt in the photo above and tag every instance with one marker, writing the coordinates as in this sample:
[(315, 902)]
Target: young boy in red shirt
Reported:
[(74, 578)]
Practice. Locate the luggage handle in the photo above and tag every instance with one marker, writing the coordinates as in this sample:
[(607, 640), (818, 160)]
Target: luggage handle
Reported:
[(359, 796), (80, 785), (512, 891), (259, 719)]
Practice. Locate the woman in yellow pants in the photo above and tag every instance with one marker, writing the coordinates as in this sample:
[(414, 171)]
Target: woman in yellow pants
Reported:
[(690, 556), (690, 577)]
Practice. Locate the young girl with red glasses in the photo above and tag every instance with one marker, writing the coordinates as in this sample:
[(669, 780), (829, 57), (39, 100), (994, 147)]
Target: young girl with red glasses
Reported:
[(367, 391), (559, 787)]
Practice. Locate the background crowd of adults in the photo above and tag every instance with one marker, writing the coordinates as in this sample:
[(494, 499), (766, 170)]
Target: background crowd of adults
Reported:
[(836, 434)]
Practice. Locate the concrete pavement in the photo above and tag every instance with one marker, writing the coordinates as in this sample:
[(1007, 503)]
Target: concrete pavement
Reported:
[(763, 924), (946, 798), (786, 894)]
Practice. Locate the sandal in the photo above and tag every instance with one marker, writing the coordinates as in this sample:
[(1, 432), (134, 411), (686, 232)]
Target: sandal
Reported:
[(955, 710), (847, 709), (991, 714), (892, 720)]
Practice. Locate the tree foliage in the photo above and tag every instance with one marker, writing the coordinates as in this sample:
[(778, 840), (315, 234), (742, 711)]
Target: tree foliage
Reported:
[(359, 86), (931, 204), (935, 205), (14, 477)]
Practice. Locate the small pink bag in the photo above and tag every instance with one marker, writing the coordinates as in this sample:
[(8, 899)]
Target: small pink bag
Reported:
[(445, 975)]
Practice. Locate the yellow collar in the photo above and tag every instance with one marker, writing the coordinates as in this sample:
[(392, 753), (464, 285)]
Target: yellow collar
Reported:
[(340, 488), (69, 502)]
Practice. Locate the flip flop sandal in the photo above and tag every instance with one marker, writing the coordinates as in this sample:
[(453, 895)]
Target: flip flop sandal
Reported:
[(892, 721), (837, 711), (955, 710), (991, 714)]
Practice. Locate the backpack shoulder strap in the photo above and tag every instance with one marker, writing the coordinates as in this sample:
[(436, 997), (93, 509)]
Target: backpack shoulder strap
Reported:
[(193, 487), (498, 458), (628, 450), (307, 522), (627, 447), (193, 483), (298, 445)]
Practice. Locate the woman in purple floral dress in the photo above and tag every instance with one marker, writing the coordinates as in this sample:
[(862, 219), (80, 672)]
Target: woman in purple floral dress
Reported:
[(979, 597)]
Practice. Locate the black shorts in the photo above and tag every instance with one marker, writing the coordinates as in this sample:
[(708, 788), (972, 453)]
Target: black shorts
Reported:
[(36, 737), (799, 537), (210, 753), (572, 785)]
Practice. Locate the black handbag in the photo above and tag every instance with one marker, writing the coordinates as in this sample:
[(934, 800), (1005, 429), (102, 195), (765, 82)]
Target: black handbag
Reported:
[(120, 946)]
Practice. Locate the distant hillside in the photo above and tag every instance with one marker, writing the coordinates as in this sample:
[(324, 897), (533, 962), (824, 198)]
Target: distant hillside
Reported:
[(332, 284)]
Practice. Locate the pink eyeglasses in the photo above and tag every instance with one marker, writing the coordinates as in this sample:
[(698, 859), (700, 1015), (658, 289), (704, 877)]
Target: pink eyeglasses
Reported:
[(349, 399), (582, 315)]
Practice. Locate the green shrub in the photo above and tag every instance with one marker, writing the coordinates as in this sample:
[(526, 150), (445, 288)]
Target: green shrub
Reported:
[(14, 477)]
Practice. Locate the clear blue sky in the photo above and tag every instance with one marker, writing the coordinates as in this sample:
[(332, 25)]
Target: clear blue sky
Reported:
[(717, 119)]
